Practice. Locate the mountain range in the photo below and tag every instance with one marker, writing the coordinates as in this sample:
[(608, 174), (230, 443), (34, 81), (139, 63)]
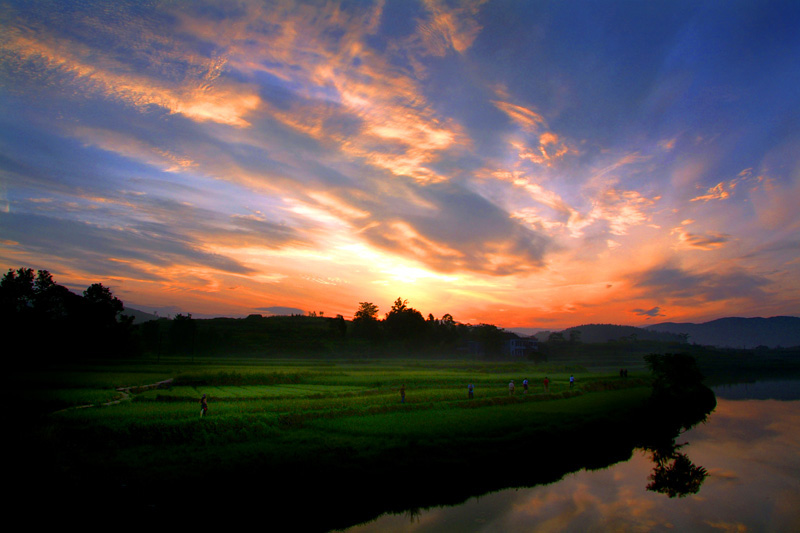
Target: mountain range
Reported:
[(735, 332), (730, 332)]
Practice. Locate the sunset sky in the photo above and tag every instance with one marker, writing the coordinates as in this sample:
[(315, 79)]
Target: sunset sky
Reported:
[(534, 164)]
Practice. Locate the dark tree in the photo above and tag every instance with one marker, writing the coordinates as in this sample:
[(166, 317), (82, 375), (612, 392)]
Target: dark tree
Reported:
[(338, 325), (103, 305), (151, 337), (675, 376), (446, 331), (16, 291), (490, 338), (366, 311), (57, 323), (182, 333), (676, 475), (365, 322), (405, 324)]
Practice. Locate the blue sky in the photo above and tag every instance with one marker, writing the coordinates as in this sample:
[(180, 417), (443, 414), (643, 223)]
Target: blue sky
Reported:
[(527, 164)]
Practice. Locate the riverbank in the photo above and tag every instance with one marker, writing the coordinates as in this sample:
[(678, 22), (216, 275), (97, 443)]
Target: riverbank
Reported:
[(749, 446), (337, 433)]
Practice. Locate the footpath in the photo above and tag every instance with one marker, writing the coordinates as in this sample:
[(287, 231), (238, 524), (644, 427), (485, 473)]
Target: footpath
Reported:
[(127, 393)]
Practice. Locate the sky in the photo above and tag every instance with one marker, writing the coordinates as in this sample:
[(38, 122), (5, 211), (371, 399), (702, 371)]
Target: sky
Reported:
[(528, 164)]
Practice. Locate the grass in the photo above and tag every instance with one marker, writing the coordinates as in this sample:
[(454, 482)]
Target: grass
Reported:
[(283, 420), (250, 402)]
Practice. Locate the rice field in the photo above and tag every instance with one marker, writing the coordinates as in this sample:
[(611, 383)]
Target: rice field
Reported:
[(285, 422), (253, 401)]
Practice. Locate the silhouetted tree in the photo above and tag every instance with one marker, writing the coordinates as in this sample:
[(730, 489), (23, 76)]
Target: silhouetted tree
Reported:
[(182, 334), (365, 322), (675, 376), (675, 474), (489, 337), (446, 332), (102, 304), (151, 337), (338, 325), (16, 291), (366, 311), (405, 324), (55, 322)]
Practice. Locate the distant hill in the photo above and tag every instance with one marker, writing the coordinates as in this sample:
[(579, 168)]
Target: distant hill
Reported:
[(612, 332), (738, 332), (281, 311), (139, 316)]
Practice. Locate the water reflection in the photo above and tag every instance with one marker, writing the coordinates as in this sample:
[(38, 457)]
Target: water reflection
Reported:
[(750, 452), (760, 390), (675, 474)]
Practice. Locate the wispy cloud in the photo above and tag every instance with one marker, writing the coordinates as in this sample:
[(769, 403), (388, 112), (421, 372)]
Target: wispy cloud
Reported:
[(706, 241), (200, 96), (462, 153), (649, 313), (677, 283), (527, 119), (725, 189), (449, 26)]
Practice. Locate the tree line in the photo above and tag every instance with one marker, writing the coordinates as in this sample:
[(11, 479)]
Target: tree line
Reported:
[(55, 323), (58, 324), (402, 331), (404, 327)]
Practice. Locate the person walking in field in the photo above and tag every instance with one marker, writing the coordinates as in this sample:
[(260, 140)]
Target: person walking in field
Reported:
[(470, 390), (403, 393), (571, 381), (525, 386), (203, 406), (511, 388), (546, 384)]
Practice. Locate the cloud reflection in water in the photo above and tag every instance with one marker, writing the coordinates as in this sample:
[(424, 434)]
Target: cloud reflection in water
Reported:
[(750, 448)]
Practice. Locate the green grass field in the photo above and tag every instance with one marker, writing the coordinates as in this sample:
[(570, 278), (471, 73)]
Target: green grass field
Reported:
[(283, 419), (274, 396)]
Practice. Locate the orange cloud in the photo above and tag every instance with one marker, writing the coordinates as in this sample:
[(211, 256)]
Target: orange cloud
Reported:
[(707, 241), (202, 98), (724, 190), (668, 144), (717, 192), (527, 119), (542, 155), (319, 51), (622, 209), (449, 26), (135, 148)]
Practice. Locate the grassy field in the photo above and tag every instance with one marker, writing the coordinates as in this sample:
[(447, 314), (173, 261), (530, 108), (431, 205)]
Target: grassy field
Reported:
[(287, 421)]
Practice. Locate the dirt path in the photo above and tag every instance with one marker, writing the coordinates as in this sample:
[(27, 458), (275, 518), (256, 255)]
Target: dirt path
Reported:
[(127, 394)]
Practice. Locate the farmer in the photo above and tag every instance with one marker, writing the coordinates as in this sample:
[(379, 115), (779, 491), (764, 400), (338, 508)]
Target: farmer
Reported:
[(511, 388), (546, 384), (571, 381), (203, 406), (470, 390), (525, 386), (403, 393)]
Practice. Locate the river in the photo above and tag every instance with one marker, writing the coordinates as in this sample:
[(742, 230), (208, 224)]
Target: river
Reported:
[(749, 447)]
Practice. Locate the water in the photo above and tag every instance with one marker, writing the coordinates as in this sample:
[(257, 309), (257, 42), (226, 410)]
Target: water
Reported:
[(750, 447)]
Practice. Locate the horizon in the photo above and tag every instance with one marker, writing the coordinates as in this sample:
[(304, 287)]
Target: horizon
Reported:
[(524, 164), (529, 330)]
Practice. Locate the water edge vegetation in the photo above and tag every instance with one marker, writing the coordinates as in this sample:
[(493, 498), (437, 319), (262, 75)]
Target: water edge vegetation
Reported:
[(278, 428)]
